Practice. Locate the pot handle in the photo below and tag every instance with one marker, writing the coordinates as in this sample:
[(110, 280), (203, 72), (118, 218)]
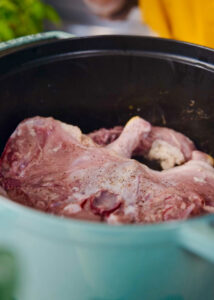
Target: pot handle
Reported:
[(28, 39), (199, 238)]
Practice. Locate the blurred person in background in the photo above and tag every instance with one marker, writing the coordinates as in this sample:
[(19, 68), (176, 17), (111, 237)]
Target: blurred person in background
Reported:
[(186, 20)]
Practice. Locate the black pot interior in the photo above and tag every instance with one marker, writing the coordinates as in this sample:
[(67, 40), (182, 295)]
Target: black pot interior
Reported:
[(103, 81)]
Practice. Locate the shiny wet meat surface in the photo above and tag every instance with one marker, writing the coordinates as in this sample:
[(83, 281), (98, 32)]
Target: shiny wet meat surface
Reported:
[(53, 167)]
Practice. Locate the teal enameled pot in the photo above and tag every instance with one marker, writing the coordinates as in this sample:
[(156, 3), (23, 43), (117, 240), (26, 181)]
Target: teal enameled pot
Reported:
[(98, 82)]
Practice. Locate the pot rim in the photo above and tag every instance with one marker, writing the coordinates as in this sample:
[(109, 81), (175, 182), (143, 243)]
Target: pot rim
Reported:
[(8, 205)]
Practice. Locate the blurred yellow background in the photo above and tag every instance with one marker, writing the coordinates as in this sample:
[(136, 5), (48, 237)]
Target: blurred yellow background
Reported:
[(187, 20)]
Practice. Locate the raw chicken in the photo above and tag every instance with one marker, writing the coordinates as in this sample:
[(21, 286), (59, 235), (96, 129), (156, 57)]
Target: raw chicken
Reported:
[(163, 144), (53, 167)]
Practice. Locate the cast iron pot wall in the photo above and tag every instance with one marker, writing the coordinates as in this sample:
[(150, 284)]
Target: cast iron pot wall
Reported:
[(103, 81)]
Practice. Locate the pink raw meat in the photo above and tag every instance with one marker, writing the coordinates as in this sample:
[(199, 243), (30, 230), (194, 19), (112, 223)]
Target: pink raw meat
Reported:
[(53, 167), (166, 145)]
